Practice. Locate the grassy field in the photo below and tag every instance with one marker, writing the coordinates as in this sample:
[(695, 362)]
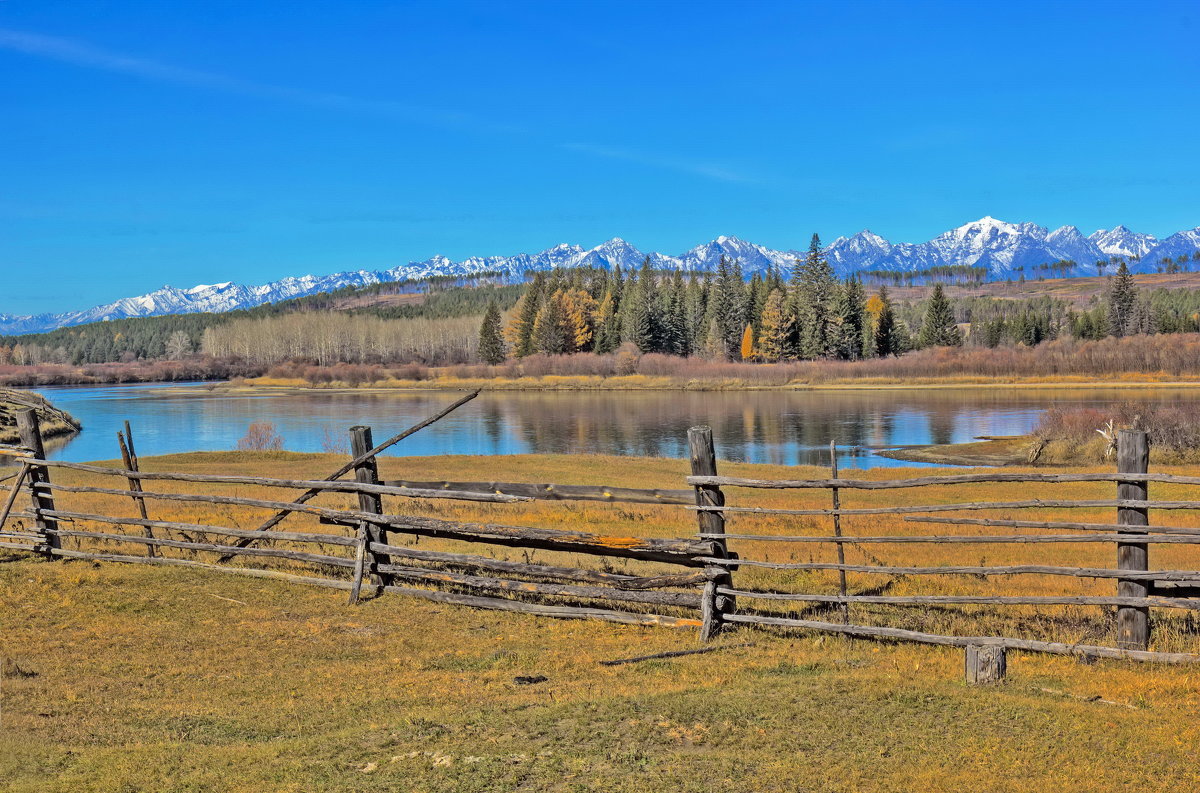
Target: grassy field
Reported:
[(129, 678)]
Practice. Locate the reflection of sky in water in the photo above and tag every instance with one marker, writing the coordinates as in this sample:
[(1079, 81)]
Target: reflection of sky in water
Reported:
[(757, 426)]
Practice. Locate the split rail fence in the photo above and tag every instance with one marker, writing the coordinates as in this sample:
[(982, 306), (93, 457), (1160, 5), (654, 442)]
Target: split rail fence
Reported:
[(666, 581)]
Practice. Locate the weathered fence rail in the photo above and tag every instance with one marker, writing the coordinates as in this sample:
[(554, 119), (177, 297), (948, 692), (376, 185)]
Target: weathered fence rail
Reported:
[(678, 582)]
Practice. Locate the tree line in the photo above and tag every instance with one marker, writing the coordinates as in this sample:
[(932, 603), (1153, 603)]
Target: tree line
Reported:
[(808, 314)]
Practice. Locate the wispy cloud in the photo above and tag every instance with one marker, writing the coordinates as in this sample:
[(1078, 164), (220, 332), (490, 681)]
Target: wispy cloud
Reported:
[(705, 169), (88, 56), (85, 55)]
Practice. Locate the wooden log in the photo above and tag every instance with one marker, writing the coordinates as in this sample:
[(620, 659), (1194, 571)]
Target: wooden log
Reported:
[(1133, 622), (528, 570), (289, 536), (12, 494), (428, 576), (985, 663), (276, 553), (1032, 645), (543, 610), (1027, 569), (926, 481), (1042, 524), (253, 572), (553, 492), (34, 546), (129, 458), (703, 457), (1189, 538), (1030, 504), (310, 484), (368, 454), (672, 551), (31, 438), (476, 601), (986, 600), (837, 529)]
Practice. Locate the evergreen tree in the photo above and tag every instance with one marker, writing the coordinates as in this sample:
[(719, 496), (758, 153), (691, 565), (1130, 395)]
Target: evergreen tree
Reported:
[(938, 328), (814, 298), (886, 339), (608, 326), (1122, 297), (521, 329), (491, 344), (729, 307), (675, 326), (549, 335), (848, 311)]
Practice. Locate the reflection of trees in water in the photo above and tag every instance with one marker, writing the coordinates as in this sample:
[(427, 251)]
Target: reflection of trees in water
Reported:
[(941, 425), (767, 427)]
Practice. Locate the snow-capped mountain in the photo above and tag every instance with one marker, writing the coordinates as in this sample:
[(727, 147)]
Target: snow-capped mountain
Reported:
[(753, 258), (999, 246), (1181, 243), (1120, 241)]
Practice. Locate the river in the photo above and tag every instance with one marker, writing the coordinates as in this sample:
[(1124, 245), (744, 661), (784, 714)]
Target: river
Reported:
[(792, 427)]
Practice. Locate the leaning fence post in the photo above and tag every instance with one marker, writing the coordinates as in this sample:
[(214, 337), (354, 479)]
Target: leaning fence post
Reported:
[(130, 461), (1133, 622), (42, 499), (367, 472), (704, 463)]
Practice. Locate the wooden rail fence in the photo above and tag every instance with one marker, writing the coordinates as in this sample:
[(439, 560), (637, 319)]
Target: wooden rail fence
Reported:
[(678, 582)]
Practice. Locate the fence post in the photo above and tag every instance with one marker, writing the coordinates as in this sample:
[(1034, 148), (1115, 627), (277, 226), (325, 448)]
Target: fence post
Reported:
[(130, 461), (1133, 622), (704, 463), (986, 663), (367, 472), (31, 438)]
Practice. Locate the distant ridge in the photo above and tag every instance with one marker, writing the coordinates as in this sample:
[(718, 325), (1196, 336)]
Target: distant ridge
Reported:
[(996, 245)]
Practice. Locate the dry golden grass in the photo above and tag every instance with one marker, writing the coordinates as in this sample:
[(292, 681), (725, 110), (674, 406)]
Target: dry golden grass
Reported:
[(155, 679)]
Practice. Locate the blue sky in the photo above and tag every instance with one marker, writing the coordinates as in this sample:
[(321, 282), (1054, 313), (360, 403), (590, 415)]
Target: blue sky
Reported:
[(145, 143)]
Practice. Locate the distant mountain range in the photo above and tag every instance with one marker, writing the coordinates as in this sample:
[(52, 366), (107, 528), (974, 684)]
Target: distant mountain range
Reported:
[(998, 246)]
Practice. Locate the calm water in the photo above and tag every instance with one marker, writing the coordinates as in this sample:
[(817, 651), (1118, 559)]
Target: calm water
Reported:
[(770, 427)]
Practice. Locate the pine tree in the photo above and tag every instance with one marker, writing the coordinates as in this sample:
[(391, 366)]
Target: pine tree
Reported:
[(848, 311), (608, 326), (728, 307), (520, 329), (491, 344), (886, 339), (938, 328), (814, 297), (747, 345), (1122, 297), (549, 335), (776, 325), (674, 325)]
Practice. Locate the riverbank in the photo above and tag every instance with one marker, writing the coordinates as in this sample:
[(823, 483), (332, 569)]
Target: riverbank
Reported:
[(54, 422), (637, 382)]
